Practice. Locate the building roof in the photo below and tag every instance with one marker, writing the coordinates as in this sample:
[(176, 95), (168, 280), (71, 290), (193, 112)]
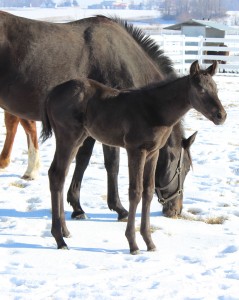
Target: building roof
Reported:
[(194, 22)]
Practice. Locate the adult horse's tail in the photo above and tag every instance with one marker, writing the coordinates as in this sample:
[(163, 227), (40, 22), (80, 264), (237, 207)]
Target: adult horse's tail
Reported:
[(46, 131)]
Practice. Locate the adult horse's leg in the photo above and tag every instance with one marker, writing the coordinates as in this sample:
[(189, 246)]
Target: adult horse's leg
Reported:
[(111, 156), (136, 162), (33, 149), (147, 196), (11, 123), (82, 161)]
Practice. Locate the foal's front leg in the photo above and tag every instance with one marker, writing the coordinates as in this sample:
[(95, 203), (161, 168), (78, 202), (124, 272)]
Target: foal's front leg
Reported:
[(136, 161), (148, 192)]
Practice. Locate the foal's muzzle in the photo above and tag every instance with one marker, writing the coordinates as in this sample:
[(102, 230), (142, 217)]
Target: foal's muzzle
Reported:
[(219, 117)]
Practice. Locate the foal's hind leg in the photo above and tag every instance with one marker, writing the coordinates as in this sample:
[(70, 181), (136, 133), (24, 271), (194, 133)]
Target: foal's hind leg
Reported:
[(64, 154), (33, 149), (148, 192), (11, 123), (82, 160), (111, 156)]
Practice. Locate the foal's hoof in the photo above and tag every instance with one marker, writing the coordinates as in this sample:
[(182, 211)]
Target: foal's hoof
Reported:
[(79, 216), (135, 252), (152, 249), (62, 246), (67, 235), (65, 247)]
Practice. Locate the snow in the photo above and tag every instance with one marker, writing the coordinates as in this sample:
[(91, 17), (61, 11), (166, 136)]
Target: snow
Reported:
[(194, 259)]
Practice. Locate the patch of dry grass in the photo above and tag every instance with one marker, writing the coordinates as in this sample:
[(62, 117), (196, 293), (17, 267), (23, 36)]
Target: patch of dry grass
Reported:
[(216, 220), (18, 184), (104, 197), (152, 228)]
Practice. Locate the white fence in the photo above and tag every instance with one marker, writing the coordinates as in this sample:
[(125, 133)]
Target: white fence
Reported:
[(183, 50)]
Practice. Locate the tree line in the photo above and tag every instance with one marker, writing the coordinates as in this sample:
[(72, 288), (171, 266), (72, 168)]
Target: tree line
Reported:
[(198, 9)]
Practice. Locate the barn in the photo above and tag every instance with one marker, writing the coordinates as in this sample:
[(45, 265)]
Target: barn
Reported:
[(206, 29)]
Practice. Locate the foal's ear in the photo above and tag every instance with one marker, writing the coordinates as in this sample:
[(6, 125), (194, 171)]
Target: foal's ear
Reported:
[(194, 69), (212, 69)]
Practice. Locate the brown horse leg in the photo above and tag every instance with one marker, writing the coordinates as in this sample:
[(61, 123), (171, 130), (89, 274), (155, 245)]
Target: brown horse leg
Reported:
[(148, 192), (136, 161), (11, 123), (111, 156), (33, 149)]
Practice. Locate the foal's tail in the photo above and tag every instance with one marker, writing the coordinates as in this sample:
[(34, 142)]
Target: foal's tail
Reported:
[(46, 131)]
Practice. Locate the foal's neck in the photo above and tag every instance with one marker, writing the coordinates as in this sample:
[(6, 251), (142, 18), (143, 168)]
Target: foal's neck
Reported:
[(171, 101)]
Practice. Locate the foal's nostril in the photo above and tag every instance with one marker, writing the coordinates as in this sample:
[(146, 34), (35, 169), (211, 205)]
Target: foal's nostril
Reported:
[(219, 116)]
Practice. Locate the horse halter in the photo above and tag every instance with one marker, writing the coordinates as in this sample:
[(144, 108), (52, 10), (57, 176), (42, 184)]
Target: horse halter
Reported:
[(179, 191)]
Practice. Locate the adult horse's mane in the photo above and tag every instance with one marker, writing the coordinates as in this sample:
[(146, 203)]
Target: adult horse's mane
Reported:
[(148, 44)]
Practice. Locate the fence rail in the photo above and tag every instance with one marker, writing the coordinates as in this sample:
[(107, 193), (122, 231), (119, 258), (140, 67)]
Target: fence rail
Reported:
[(183, 50)]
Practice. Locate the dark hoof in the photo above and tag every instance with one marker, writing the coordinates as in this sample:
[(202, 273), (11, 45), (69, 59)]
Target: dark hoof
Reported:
[(135, 252), (27, 177), (63, 247), (79, 216), (67, 235), (152, 249), (123, 217)]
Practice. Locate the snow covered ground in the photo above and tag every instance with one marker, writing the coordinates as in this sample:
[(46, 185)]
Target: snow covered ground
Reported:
[(195, 259)]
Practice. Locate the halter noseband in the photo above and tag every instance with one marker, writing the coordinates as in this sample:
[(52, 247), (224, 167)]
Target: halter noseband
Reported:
[(179, 191)]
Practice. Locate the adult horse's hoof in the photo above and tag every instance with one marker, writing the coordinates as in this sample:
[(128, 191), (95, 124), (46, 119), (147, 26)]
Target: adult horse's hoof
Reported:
[(123, 219), (28, 177), (79, 216), (62, 245), (123, 216)]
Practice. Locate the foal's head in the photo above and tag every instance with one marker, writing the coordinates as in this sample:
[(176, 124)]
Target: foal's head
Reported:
[(203, 94)]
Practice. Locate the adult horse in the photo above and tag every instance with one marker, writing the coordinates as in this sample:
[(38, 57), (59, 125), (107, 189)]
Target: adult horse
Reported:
[(47, 54), (139, 120), (11, 124)]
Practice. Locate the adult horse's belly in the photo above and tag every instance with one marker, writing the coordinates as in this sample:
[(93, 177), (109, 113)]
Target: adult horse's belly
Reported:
[(22, 102)]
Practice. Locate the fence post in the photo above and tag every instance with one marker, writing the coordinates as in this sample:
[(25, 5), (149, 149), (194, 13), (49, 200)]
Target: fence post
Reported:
[(200, 51), (183, 54)]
